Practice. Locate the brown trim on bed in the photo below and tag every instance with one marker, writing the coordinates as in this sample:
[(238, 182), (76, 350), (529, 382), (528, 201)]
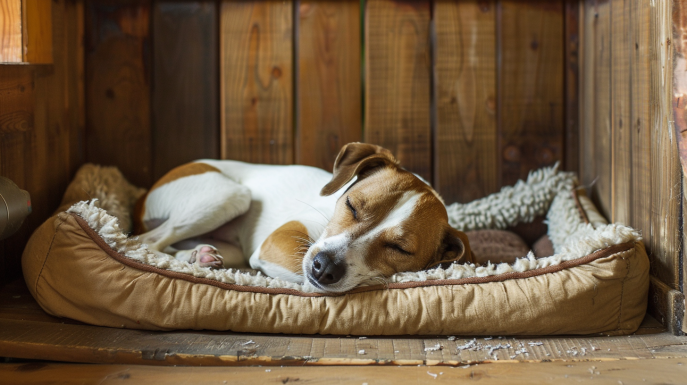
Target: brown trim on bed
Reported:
[(406, 285)]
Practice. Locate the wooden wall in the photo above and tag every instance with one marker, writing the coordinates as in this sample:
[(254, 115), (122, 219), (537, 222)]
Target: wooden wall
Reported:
[(630, 118), (42, 125), (628, 151), (471, 95)]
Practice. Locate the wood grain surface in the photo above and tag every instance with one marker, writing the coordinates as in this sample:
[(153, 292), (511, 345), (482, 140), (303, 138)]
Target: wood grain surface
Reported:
[(466, 160), (256, 77), (666, 185), (10, 31), (640, 56), (26, 331), (531, 87), (185, 85), (329, 87), (573, 36), (664, 371), (118, 89), (16, 100), (597, 150), (41, 127), (621, 116), (398, 82), (37, 31)]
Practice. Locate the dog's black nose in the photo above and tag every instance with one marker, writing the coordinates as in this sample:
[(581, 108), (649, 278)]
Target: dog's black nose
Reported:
[(327, 271)]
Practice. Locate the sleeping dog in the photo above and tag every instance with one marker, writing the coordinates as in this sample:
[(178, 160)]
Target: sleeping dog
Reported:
[(371, 219)]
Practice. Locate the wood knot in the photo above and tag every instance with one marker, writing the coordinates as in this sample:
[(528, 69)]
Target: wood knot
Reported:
[(545, 156), (276, 72), (511, 153)]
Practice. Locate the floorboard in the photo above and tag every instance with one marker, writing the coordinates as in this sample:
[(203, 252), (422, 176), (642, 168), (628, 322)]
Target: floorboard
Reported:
[(26, 332), (663, 371)]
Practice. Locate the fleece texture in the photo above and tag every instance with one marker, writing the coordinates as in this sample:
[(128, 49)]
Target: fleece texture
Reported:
[(546, 191)]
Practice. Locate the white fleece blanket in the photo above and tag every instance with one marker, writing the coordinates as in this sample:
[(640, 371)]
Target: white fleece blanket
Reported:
[(546, 191)]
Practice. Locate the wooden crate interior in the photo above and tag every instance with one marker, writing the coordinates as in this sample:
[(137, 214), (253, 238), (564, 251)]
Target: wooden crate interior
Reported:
[(469, 94)]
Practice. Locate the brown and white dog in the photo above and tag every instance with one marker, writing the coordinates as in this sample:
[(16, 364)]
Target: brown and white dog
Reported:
[(371, 219)]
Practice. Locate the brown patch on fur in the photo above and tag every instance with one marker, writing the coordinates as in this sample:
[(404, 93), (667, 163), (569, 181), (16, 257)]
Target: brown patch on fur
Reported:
[(182, 171), (284, 246), (426, 235)]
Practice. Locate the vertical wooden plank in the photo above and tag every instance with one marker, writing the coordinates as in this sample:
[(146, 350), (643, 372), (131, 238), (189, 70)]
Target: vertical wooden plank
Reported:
[(75, 84), (465, 151), (621, 82), (587, 105), (531, 86), (397, 81), (680, 117), (572, 85), (10, 31), (256, 78), (37, 31), (16, 100), (329, 88), (118, 88), (641, 118), (666, 183), (598, 100), (185, 84)]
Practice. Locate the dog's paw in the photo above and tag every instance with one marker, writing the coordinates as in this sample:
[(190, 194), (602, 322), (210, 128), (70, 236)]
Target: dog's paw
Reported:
[(206, 256)]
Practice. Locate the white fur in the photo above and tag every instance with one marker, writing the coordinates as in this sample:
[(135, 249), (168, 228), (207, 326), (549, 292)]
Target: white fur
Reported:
[(352, 250)]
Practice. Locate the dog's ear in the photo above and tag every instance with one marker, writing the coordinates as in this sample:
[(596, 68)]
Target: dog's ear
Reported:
[(356, 159), (455, 247)]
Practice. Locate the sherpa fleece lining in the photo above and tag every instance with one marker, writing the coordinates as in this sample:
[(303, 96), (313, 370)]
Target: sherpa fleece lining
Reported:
[(430, 282), (544, 189)]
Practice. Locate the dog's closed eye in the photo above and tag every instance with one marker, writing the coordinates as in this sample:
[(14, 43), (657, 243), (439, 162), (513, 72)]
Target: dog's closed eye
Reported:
[(397, 247), (350, 206)]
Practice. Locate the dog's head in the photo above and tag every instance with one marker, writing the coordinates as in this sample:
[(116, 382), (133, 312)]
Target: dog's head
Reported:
[(386, 222)]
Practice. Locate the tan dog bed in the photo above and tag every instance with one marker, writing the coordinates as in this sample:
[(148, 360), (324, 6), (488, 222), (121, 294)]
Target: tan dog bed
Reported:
[(80, 264)]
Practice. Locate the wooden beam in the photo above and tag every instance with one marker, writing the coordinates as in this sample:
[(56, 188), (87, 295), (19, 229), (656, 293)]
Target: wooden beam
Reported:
[(666, 305)]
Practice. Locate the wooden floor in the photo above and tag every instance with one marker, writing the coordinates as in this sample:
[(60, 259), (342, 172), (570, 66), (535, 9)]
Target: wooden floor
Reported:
[(625, 372), (26, 332)]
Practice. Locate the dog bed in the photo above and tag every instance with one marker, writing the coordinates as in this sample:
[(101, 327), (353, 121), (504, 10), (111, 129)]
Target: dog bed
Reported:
[(82, 265)]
